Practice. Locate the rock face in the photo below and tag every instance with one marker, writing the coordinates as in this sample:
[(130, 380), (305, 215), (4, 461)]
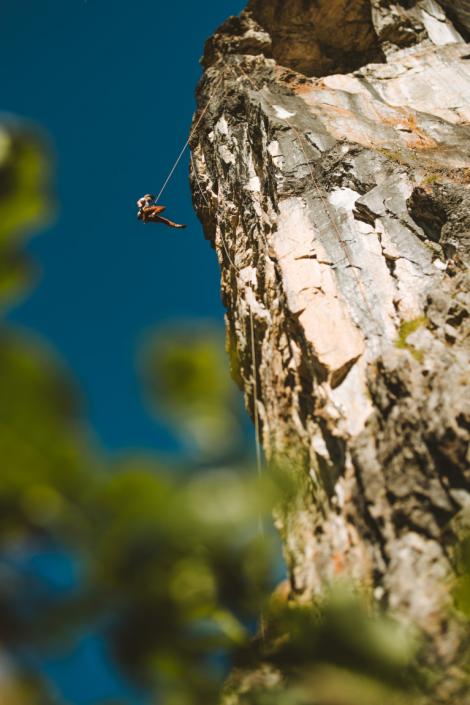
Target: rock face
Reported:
[(331, 172)]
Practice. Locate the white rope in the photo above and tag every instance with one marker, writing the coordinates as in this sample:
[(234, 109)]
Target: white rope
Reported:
[(186, 145), (255, 395), (259, 462), (207, 204)]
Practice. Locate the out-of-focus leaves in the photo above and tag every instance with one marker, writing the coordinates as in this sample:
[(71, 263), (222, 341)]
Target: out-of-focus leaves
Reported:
[(186, 571), (25, 176), (325, 684), (462, 587), (46, 470), (17, 275), (25, 201), (340, 630), (21, 688), (334, 653), (185, 371), (174, 567)]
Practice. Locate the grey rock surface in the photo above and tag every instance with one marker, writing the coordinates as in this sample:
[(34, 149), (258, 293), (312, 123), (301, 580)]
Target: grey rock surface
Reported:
[(331, 172)]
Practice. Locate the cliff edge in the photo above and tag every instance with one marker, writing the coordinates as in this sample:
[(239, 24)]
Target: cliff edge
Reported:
[(331, 172)]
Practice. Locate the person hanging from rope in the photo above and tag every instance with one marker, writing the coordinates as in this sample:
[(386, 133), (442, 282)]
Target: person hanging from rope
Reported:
[(150, 213)]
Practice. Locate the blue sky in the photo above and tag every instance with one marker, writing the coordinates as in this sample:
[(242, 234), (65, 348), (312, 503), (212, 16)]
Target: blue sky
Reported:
[(112, 82)]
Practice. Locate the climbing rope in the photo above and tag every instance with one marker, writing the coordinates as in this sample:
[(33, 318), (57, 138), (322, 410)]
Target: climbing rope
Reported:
[(259, 463), (331, 219), (185, 146)]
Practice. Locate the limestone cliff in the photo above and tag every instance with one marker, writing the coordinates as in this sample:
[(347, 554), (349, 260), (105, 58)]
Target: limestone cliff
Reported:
[(331, 172)]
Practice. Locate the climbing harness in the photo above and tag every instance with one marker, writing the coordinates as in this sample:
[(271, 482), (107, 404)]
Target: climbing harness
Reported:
[(149, 213)]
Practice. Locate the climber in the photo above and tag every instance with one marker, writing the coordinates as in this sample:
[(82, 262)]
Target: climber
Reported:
[(151, 213)]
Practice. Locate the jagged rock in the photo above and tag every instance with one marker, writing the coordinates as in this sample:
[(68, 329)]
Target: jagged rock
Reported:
[(458, 10), (305, 37), (331, 172)]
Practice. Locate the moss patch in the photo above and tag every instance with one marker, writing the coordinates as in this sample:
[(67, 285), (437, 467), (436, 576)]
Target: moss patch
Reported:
[(394, 156), (431, 179), (405, 330)]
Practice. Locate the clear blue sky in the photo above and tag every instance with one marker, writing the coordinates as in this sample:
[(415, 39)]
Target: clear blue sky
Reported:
[(112, 81)]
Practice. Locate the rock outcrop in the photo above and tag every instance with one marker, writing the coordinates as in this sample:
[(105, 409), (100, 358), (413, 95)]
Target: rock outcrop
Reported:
[(331, 172)]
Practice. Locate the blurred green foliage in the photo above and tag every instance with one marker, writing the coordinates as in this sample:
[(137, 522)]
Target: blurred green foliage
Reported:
[(187, 380), (462, 587), (25, 202), (173, 564)]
